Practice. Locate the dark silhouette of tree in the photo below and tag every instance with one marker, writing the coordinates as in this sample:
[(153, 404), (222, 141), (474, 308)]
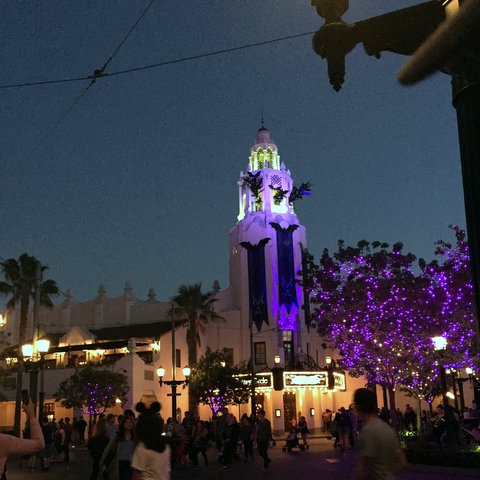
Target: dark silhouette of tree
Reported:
[(19, 284), (217, 383), (196, 308), (93, 389)]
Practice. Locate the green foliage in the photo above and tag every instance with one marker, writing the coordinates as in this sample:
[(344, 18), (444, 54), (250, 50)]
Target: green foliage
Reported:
[(215, 382), (93, 389), (255, 183), (278, 194), (197, 309), (304, 190)]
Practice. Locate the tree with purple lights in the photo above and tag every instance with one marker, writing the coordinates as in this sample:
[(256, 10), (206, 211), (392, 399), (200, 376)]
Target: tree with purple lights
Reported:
[(92, 389), (216, 382), (380, 310)]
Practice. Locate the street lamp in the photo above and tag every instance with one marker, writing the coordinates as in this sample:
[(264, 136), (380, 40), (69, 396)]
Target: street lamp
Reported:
[(173, 384), (3, 320), (35, 356), (440, 345)]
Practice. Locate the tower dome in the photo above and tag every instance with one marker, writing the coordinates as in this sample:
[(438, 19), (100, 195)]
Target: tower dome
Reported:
[(263, 139)]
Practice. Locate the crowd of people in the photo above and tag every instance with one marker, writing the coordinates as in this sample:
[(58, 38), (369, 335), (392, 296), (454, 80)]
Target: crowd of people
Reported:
[(118, 443), (345, 425)]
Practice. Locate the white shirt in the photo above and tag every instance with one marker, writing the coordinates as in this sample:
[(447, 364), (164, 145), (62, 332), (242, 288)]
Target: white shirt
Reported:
[(153, 465)]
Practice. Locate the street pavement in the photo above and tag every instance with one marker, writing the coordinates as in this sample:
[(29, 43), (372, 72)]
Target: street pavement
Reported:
[(320, 461)]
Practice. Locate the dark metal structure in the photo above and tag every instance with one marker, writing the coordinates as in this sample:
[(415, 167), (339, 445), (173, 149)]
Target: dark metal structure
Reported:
[(442, 35)]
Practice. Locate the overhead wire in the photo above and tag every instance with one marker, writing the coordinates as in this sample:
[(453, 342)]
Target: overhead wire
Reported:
[(93, 78), (102, 74)]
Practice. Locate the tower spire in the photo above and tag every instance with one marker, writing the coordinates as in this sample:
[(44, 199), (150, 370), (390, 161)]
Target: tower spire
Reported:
[(263, 120)]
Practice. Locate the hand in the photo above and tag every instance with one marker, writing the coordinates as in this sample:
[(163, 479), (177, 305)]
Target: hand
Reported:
[(29, 409)]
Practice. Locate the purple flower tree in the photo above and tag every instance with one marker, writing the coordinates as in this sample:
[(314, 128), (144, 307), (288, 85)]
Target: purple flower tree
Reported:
[(380, 309)]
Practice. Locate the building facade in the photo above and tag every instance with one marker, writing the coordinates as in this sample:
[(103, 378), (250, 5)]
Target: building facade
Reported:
[(264, 309)]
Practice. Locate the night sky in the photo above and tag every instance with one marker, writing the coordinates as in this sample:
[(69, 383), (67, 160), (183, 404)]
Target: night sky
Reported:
[(138, 181)]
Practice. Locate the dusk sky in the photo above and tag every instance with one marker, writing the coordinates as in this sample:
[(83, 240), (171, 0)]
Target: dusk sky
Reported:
[(138, 181)]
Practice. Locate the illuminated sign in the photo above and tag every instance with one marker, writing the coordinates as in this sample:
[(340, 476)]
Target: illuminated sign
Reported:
[(298, 380), (339, 381), (262, 380), (305, 379), (313, 379)]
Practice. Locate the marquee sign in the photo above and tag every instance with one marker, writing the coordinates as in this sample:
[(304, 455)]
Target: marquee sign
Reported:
[(262, 380), (313, 380), (305, 379), (298, 380)]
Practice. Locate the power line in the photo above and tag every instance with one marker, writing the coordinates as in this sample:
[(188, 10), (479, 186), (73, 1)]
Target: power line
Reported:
[(96, 74), (102, 70), (208, 54), (102, 74), (60, 120)]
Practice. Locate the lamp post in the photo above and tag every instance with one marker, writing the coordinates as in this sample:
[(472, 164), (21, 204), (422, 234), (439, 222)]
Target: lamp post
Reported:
[(43, 345), (330, 367), (440, 345), (173, 384), (34, 357), (444, 36)]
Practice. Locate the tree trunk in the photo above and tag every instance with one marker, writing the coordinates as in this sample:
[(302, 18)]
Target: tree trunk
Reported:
[(384, 392), (419, 416), (192, 360), (24, 303), (393, 407)]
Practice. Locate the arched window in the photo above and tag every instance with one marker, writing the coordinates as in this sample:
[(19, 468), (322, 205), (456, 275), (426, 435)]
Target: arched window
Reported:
[(270, 157), (260, 158)]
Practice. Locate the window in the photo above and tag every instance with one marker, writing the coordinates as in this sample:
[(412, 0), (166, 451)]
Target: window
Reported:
[(178, 358), (260, 353), (147, 356), (49, 409), (270, 157), (260, 158), (288, 348), (148, 375), (288, 353)]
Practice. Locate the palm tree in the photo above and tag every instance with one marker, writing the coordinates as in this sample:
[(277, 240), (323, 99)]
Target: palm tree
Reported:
[(20, 283), (196, 308)]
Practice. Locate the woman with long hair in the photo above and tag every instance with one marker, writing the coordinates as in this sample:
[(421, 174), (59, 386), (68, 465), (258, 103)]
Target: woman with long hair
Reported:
[(117, 457), (151, 459), (96, 445)]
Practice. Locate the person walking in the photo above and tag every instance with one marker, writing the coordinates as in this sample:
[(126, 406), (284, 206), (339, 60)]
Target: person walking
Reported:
[(117, 456), (378, 449), (151, 458), (246, 435), (49, 451), (200, 443), (304, 431), (264, 435), (82, 427), (96, 446), (344, 426), (68, 429)]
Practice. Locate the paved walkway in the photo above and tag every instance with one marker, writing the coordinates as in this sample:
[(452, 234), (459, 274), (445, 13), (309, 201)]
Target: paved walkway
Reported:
[(320, 461)]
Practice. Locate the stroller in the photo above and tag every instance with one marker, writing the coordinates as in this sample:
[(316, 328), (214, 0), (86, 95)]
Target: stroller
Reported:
[(292, 442)]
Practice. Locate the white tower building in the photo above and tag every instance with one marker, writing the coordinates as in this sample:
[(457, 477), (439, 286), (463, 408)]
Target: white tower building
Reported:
[(266, 249)]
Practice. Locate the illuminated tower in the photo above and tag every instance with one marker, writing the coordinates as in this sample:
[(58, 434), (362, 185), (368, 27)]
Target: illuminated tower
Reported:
[(266, 247)]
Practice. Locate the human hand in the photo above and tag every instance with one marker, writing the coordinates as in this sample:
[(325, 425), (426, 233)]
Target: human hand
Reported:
[(29, 409)]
